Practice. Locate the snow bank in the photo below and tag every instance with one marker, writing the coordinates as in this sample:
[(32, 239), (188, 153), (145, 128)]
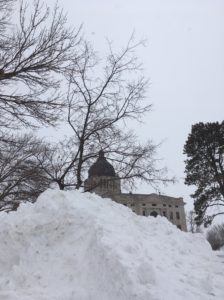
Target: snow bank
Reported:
[(73, 246)]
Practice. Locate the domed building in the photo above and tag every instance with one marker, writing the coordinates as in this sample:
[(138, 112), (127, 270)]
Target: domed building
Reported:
[(102, 180)]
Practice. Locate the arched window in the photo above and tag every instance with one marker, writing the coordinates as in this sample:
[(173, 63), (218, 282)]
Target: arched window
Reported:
[(154, 214)]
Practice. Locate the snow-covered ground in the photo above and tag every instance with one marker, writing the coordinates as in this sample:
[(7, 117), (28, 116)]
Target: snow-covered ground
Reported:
[(73, 246)]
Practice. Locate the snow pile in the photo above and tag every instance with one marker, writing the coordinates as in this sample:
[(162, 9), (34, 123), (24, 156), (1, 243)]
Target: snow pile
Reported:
[(73, 246)]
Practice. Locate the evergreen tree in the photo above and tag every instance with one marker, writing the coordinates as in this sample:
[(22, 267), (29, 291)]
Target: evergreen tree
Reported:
[(205, 169)]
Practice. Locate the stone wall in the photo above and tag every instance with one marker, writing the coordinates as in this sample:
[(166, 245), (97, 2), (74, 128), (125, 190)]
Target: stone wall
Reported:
[(142, 204), (103, 185), (153, 204)]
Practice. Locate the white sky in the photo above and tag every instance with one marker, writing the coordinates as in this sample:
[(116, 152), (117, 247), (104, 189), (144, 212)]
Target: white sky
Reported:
[(183, 59)]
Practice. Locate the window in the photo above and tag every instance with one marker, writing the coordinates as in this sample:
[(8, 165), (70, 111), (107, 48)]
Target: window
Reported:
[(111, 184), (178, 215), (164, 205), (179, 226), (104, 183), (143, 204), (176, 206), (164, 213), (171, 215), (154, 204), (125, 204), (154, 214), (143, 212), (170, 205)]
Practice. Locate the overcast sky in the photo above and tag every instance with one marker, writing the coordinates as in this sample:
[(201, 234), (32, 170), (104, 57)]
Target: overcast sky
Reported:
[(183, 59)]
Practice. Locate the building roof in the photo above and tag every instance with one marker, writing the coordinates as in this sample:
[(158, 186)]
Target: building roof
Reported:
[(101, 167)]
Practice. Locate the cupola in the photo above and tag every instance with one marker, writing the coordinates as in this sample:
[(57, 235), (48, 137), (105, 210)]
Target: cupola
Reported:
[(102, 178), (101, 167)]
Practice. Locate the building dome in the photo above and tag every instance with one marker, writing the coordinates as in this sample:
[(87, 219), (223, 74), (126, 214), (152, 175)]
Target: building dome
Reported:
[(101, 167)]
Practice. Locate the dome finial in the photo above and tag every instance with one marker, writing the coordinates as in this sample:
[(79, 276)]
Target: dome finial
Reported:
[(101, 167), (101, 154)]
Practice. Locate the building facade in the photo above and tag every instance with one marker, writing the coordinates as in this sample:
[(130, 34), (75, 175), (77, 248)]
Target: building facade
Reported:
[(103, 181)]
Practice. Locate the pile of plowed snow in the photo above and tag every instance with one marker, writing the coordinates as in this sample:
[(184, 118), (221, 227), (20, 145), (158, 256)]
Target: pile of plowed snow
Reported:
[(73, 246)]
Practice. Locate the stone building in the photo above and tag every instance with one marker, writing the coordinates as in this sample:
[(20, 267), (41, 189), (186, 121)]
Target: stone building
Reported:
[(103, 181)]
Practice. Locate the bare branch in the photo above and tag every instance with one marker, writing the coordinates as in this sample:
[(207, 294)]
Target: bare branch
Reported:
[(37, 53)]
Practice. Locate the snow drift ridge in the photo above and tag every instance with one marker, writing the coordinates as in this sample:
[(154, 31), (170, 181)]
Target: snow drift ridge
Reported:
[(74, 246)]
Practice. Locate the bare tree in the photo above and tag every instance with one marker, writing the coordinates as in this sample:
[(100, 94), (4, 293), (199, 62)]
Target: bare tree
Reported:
[(35, 52), (98, 108), (191, 222), (21, 177), (55, 160), (5, 8)]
